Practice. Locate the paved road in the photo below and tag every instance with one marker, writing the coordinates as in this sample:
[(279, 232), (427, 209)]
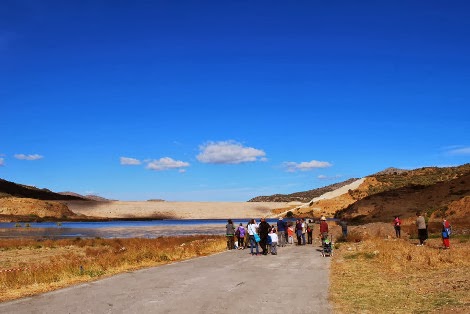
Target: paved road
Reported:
[(294, 281)]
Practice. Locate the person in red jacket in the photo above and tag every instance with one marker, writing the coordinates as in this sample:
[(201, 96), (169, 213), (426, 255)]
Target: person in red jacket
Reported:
[(323, 229), (446, 231)]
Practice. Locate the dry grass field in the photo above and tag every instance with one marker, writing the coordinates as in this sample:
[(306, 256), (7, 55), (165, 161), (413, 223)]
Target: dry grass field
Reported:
[(381, 274), (29, 266)]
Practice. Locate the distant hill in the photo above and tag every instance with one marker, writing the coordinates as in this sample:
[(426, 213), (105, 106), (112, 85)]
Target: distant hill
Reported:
[(12, 189), (303, 197), (90, 197), (391, 170)]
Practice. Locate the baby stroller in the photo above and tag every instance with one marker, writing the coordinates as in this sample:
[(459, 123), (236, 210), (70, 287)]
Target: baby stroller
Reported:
[(327, 246)]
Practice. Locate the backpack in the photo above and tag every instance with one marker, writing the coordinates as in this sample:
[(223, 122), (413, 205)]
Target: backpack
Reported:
[(270, 241)]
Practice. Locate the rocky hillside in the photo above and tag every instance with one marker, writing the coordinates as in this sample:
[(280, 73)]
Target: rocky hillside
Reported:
[(303, 197), (436, 191), (11, 189), (28, 209), (20, 202)]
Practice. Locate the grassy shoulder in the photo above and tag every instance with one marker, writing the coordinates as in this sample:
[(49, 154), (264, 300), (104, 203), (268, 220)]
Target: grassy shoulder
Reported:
[(30, 267), (382, 274)]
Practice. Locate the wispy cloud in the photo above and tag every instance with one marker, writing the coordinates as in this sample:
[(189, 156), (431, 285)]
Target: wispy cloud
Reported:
[(459, 151), (2, 161), (28, 157), (229, 152), (166, 163), (323, 177), (129, 161), (291, 166)]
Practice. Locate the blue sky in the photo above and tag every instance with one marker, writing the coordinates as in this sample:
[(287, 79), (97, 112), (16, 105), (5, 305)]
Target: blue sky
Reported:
[(227, 100)]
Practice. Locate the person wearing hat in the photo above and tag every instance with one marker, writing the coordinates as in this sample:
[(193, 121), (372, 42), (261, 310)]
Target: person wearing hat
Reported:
[(323, 229), (281, 231)]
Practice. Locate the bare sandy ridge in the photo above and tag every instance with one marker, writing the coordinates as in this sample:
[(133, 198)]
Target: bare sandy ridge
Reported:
[(194, 210), (177, 210)]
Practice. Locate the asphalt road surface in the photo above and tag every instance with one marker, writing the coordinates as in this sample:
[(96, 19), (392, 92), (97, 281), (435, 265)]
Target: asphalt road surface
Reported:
[(294, 281)]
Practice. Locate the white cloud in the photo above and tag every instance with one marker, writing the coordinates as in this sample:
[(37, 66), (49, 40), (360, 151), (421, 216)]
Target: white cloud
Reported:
[(129, 161), (166, 163), (229, 152), (323, 177), (305, 165), (28, 157), (2, 161), (459, 151)]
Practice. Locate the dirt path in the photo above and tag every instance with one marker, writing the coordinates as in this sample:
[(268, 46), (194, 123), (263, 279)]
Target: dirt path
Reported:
[(294, 281)]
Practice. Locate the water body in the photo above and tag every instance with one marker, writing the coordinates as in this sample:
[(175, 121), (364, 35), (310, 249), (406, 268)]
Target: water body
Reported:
[(119, 229)]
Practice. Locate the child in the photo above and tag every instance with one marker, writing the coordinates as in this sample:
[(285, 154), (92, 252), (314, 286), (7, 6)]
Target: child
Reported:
[(240, 234), (274, 240), (290, 234)]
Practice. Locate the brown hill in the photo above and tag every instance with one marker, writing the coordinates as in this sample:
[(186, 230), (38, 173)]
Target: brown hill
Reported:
[(304, 197), (449, 198), (8, 188), (88, 196), (20, 202), (401, 192), (27, 209)]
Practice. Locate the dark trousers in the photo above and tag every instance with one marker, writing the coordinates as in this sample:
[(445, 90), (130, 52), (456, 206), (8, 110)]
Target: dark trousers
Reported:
[(309, 237), (299, 237), (262, 243), (241, 242), (398, 231), (422, 235)]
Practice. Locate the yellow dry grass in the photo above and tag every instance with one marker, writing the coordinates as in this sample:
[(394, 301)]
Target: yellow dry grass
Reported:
[(381, 275), (48, 265)]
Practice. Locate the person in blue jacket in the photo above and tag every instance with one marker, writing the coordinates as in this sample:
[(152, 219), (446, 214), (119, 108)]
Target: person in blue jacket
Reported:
[(281, 231)]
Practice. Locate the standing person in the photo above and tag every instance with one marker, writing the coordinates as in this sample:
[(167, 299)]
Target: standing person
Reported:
[(230, 234), (422, 229), (323, 229), (263, 234), (304, 231), (240, 233), (281, 228), (290, 234), (251, 228), (298, 231), (310, 231), (274, 241), (446, 231), (397, 226), (344, 228)]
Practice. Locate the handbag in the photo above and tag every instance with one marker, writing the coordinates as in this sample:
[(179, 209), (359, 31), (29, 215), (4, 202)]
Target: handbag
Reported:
[(257, 238)]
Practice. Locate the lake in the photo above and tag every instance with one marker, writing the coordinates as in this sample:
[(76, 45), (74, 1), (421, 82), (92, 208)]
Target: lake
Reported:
[(120, 229)]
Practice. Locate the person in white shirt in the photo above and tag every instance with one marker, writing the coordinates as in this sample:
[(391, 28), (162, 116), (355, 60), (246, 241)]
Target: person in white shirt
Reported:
[(252, 230), (274, 240)]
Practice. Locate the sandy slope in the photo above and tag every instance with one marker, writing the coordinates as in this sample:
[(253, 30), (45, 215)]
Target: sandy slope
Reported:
[(180, 210), (326, 196)]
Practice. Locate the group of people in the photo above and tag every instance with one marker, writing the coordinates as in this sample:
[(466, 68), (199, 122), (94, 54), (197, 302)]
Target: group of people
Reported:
[(423, 229), (270, 237), (252, 234)]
